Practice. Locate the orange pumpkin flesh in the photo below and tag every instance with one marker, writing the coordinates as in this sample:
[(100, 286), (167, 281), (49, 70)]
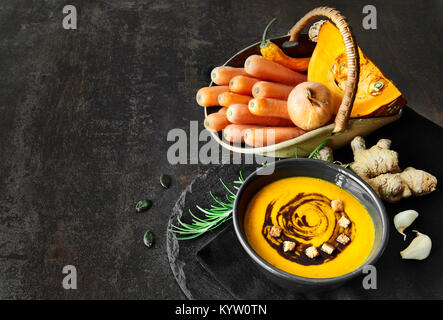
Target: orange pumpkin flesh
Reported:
[(376, 94)]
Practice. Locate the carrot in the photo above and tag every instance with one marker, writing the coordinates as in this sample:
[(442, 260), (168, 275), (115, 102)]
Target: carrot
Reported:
[(222, 75), (216, 121), (240, 114), (234, 132), (265, 89), (258, 137), (225, 99), (207, 96), (265, 69), (269, 107), (223, 110), (242, 84)]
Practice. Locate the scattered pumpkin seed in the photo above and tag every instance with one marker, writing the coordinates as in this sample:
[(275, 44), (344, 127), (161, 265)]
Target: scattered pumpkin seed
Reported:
[(165, 181), (148, 239), (143, 205)]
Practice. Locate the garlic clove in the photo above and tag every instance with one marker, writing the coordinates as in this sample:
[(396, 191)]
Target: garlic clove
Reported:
[(404, 219), (419, 248)]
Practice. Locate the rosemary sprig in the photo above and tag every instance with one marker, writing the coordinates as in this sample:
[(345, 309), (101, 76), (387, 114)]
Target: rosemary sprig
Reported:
[(214, 216)]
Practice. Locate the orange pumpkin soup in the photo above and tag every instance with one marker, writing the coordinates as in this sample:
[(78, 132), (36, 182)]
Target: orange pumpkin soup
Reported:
[(300, 207)]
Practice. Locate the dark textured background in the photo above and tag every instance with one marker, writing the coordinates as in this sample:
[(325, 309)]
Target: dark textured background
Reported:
[(85, 114)]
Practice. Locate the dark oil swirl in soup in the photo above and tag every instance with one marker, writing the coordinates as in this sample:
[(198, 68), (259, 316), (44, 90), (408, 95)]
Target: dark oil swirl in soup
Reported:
[(295, 227)]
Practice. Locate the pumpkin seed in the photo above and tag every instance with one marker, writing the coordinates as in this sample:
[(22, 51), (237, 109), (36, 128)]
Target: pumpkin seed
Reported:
[(378, 85), (375, 88), (143, 205), (165, 181), (148, 239)]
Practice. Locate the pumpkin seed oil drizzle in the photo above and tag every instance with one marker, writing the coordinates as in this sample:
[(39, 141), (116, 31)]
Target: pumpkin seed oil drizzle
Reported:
[(296, 227)]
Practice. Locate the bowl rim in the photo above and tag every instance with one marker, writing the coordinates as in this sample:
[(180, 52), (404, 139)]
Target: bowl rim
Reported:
[(305, 280)]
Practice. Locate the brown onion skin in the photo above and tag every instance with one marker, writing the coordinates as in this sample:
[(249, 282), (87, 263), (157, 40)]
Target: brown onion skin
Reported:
[(305, 113)]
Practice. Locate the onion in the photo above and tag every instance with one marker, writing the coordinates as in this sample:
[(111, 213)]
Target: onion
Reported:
[(309, 105)]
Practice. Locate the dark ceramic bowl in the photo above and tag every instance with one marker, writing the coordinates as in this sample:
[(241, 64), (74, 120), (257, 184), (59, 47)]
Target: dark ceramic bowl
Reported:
[(345, 179)]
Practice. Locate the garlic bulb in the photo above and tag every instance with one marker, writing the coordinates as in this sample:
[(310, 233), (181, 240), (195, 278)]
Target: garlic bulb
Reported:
[(419, 248), (404, 219)]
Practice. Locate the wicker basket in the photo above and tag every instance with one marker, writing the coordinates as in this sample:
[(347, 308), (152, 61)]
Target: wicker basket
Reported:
[(339, 133)]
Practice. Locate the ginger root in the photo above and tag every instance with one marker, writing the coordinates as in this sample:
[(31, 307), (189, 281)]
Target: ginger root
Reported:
[(372, 162), (325, 153), (379, 167)]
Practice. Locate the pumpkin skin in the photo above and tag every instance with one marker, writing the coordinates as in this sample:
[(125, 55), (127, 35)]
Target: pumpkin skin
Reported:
[(308, 114), (376, 94)]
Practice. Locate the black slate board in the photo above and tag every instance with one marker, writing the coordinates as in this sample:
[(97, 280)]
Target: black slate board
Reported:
[(216, 267), (194, 281)]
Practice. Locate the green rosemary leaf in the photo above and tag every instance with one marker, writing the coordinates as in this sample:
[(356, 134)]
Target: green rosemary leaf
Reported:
[(177, 229), (223, 204), (183, 224), (197, 218), (226, 187), (204, 210), (230, 198)]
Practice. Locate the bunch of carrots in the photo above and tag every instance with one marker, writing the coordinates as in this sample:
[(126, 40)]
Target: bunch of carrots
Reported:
[(253, 99)]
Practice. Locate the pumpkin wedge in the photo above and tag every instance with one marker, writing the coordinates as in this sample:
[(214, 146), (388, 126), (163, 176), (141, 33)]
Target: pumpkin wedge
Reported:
[(376, 94)]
